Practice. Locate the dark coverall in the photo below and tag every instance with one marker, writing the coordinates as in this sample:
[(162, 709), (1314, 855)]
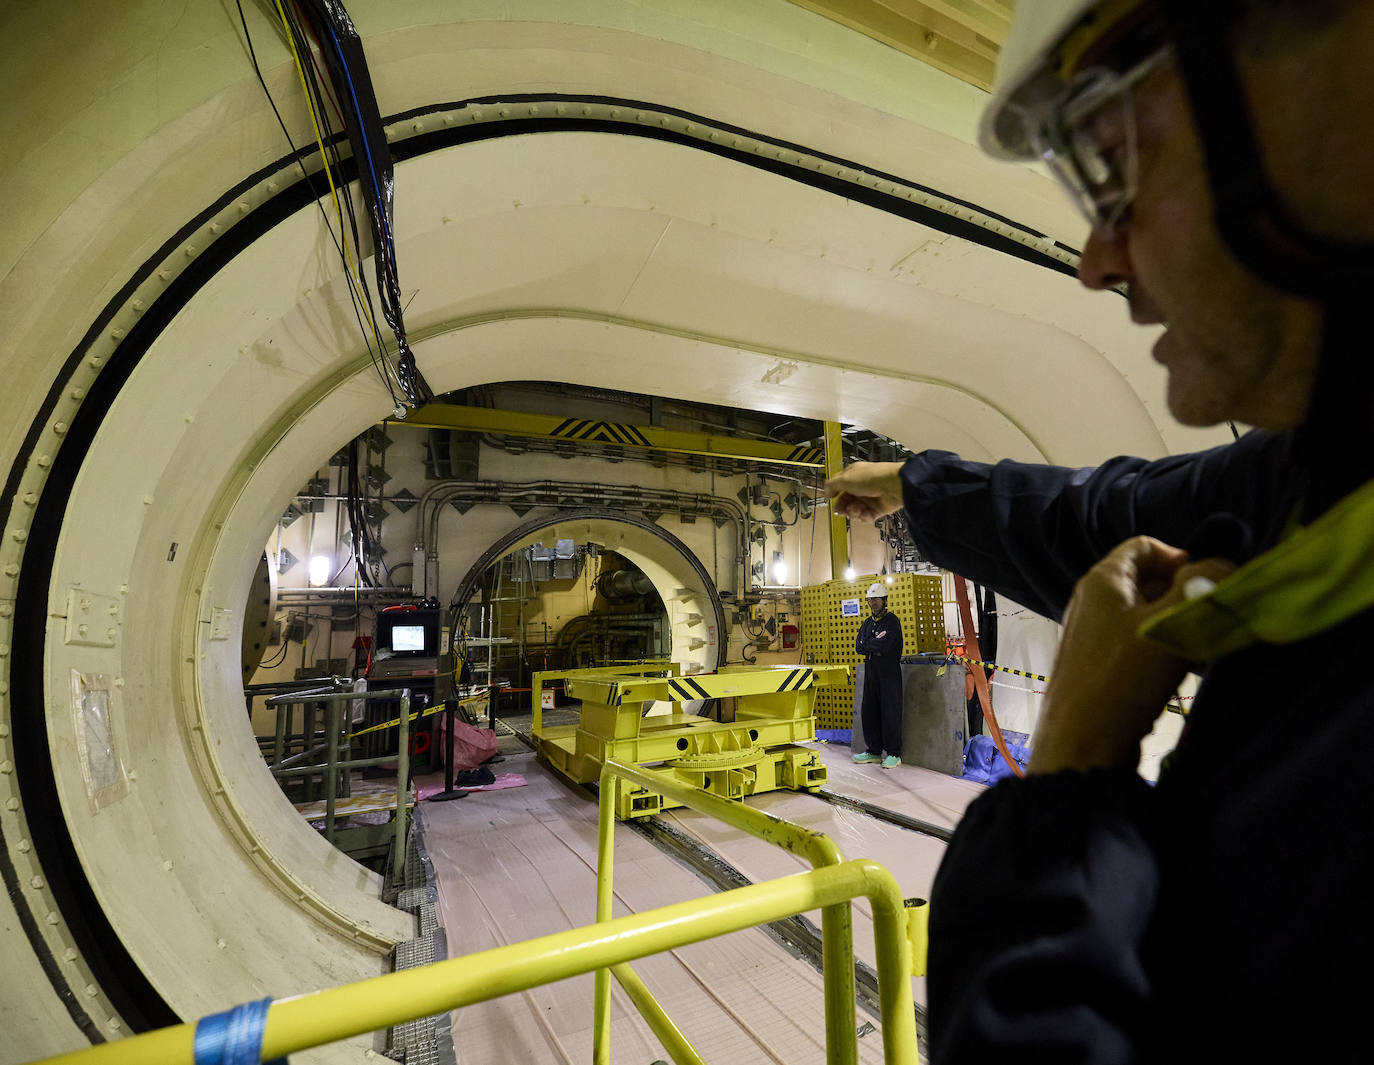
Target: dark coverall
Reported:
[(880, 642), (1220, 916)]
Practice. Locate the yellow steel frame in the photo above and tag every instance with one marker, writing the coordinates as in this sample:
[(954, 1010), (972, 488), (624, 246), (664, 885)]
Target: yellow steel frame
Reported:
[(546, 676), (620, 434), (839, 524), (754, 753)]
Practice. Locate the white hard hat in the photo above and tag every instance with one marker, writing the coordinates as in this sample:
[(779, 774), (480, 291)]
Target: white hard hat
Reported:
[(876, 591), (1045, 36)]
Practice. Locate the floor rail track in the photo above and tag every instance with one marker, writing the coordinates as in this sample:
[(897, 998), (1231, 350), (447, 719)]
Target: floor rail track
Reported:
[(798, 935), (880, 813)]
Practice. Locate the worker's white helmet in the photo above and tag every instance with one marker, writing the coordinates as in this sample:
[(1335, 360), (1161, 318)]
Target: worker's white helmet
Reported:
[(1046, 42), (876, 591)]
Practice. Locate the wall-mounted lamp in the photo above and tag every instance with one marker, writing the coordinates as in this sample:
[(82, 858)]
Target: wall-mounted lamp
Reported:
[(320, 566)]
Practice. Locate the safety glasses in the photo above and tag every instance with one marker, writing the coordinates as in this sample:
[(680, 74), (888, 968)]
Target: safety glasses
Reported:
[(1088, 138)]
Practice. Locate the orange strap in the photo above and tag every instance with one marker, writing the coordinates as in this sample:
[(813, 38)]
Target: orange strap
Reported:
[(980, 679)]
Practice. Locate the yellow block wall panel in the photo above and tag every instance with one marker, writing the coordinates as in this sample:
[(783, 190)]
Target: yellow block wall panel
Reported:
[(915, 599)]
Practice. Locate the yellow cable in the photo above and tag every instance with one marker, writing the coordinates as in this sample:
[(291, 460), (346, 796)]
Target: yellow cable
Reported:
[(350, 267)]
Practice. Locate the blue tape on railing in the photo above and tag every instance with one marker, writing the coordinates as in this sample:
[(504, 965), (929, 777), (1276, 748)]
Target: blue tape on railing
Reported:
[(234, 1037)]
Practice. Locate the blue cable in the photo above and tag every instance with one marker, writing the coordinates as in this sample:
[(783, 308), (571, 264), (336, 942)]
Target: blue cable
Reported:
[(367, 148), (234, 1037)]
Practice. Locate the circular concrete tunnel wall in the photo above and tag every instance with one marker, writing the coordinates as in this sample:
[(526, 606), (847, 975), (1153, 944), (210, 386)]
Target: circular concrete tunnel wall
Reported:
[(190, 357)]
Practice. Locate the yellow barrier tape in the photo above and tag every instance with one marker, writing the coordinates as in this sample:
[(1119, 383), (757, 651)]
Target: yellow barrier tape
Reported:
[(471, 700), (1175, 704), (1000, 669)]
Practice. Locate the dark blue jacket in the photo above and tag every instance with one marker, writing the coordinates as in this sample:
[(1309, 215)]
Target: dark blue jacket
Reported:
[(880, 639), (1219, 916)]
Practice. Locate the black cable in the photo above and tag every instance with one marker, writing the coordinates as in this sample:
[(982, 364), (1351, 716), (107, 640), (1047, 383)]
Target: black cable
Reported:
[(342, 51), (317, 196), (279, 659), (330, 141)]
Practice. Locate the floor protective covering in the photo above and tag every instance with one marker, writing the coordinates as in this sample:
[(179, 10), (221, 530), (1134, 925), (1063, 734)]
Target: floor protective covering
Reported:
[(520, 863)]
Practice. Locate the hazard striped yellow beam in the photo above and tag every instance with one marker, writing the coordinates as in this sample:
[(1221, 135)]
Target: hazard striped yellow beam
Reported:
[(621, 434), (616, 691), (691, 688)]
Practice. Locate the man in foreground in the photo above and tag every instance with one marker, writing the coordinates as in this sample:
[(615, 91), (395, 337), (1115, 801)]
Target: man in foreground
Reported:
[(1220, 152)]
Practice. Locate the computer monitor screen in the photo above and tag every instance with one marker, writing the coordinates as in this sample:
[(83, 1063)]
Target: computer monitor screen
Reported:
[(409, 633), (408, 638)]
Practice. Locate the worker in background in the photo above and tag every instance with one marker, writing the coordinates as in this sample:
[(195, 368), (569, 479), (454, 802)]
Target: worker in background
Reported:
[(1220, 151), (880, 642)]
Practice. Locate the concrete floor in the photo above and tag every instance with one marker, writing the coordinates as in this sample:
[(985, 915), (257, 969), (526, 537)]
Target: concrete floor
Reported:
[(521, 863)]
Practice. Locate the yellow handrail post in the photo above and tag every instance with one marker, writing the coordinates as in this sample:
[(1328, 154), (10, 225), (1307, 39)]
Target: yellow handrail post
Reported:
[(674, 1042), (837, 977), (918, 933), (605, 857), (537, 704), (837, 927), (894, 975)]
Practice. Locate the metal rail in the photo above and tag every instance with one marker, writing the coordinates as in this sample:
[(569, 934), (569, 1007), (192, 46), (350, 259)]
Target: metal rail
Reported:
[(332, 764), (894, 958), (881, 813), (797, 935), (313, 1020)]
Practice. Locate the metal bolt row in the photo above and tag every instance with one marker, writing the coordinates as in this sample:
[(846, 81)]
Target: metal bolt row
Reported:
[(37, 892)]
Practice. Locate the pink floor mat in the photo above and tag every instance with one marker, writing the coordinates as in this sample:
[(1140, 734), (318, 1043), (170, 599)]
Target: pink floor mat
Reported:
[(424, 789)]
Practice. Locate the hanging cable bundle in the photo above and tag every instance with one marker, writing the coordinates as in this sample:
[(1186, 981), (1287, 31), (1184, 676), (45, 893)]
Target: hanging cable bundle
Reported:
[(346, 65), (366, 541), (324, 30)]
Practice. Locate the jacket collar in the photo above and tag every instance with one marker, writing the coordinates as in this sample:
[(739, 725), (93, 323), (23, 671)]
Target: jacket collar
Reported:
[(1317, 577)]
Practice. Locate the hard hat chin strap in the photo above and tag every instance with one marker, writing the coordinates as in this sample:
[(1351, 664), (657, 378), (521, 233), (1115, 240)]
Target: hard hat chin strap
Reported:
[(1336, 442)]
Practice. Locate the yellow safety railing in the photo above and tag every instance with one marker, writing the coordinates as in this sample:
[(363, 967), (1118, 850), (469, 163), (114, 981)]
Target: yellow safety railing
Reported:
[(296, 1024), (893, 931)]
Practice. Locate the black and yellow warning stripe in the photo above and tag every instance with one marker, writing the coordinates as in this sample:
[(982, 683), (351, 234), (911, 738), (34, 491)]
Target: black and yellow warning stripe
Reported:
[(687, 688), (796, 680), (552, 426), (811, 456), (604, 432)]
